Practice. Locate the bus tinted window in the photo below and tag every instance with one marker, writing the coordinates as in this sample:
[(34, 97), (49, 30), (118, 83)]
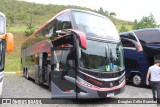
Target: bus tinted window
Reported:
[(129, 36), (156, 57), (49, 31), (127, 43), (63, 22), (148, 36), (102, 57), (2, 25), (95, 26), (65, 59)]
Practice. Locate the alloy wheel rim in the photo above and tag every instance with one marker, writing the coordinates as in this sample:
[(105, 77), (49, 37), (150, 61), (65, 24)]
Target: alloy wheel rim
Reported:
[(137, 80)]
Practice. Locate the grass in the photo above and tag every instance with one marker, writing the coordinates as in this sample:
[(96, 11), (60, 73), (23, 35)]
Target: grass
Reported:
[(12, 60), (129, 27), (16, 29), (12, 64)]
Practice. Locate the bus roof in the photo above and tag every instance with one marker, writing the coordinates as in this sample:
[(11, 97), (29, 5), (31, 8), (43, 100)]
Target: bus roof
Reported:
[(146, 29), (139, 30), (66, 10), (2, 14), (86, 11)]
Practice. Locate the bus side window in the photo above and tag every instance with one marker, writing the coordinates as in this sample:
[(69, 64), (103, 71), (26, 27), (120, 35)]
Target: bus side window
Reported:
[(127, 43), (129, 36), (64, 22), (61, 22), (157, 57), (50, 30)]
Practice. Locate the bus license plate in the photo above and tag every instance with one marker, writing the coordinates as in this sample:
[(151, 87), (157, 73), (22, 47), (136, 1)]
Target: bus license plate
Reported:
[(110, 94)]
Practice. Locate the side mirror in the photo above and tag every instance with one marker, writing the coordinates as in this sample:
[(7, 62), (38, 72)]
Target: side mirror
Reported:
[(10, 42), (137, 45)]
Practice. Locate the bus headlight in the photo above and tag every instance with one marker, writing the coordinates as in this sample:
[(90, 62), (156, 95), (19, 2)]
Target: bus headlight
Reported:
[(83, 82)]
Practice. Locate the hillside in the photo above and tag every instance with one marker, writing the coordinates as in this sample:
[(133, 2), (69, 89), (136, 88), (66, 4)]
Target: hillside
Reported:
[(21, 14)]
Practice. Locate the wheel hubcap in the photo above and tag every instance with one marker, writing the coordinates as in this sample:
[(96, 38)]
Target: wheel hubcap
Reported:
[(137, 80)]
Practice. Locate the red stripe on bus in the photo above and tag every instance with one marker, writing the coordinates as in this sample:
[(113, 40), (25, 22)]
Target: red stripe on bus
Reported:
[(104, 89)]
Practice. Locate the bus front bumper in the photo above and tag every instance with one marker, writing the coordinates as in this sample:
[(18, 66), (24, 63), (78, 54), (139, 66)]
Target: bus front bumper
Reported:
[(90, 92)]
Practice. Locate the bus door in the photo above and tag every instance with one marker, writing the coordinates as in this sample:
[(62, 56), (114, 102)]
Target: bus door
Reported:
[(63, 74), (40, 70), (2, 53)]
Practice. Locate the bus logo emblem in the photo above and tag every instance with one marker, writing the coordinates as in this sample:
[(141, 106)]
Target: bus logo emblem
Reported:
[(111, 84)]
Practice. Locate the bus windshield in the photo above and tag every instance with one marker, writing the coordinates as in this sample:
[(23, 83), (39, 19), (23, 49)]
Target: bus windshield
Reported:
[(2, 25), (102, 57), (95, 26)]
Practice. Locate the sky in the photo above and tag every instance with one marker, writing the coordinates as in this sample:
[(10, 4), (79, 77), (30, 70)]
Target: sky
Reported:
[(124, 9)]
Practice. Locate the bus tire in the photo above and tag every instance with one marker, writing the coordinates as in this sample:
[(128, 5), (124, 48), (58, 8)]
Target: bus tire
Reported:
[(137, 80), (24, 72), (27, 74)]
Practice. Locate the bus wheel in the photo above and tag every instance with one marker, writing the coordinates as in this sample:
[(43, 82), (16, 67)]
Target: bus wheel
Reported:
[(27, 75), (24, 72), (137, 80)]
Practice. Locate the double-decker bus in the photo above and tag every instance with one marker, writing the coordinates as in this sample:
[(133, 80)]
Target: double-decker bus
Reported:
[(78, 54), (6, 43), (141, 48)]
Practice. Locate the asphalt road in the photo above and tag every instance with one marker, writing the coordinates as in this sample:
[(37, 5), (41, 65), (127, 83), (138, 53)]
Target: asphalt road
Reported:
[(16, 86)]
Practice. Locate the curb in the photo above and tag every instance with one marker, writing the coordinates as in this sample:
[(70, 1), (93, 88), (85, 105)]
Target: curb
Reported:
[(13, 72), (19, 72)]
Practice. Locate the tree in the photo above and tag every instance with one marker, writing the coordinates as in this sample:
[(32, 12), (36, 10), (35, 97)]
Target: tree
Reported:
[(29, 30), (100, 11), (110, 15), (106, 13), (10, 20), (135, 24), (145, 22), (123, 29)]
